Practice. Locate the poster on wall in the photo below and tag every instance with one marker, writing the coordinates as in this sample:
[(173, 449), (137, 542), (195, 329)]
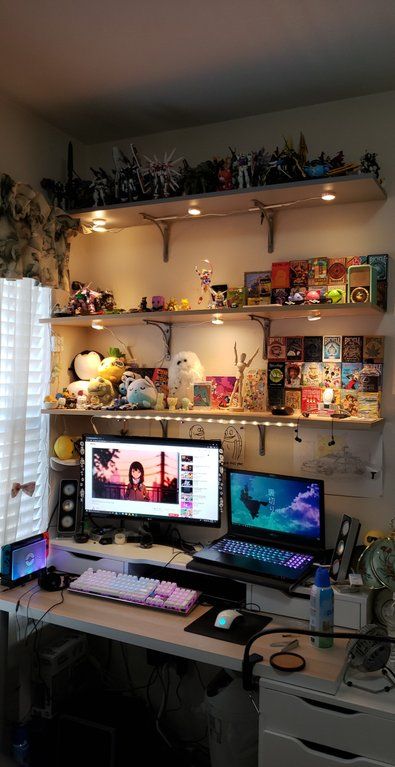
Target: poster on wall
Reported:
[(232, 437), (352, 466)]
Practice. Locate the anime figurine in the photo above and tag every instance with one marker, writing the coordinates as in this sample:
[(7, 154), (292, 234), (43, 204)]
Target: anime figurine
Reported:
[(164, 176), (369, 163), (241, 365), (158, 303), (242, 167), (225, 175), (185, 369), (83, 299), (171, 305), (219, 298), (205, 274), (143, 305), (184, 305)]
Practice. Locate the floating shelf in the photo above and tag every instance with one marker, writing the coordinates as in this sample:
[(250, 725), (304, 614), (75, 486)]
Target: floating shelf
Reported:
[(222, 416), (348, 189), (266, 200), (271, 312)]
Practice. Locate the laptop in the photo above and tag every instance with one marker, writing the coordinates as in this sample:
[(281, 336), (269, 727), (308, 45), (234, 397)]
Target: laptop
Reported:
[(276, 528)]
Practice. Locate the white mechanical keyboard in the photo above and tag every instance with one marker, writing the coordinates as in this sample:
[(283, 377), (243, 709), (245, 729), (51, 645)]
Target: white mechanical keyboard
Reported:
[(147, 592)]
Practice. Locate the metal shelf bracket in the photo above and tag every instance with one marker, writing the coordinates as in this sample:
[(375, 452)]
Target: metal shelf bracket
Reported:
[(265, 324), (165, 428), (164, 228), (165, 328), (262, 435), (267, 214)]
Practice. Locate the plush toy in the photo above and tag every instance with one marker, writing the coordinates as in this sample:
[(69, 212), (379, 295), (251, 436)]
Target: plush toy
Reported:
[(100, 392), (142, 393), (185, 369), (112, 369), (65, 447), (84, 367), (127, 377)]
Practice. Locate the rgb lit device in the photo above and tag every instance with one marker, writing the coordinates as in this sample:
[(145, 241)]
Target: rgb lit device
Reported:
[(24, 560)]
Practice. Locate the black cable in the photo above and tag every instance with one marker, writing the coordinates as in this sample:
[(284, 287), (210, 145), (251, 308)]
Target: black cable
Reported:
[(51, 517), (156, 572)]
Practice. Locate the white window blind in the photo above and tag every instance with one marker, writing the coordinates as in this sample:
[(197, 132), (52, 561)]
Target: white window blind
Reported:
[(24, 381)]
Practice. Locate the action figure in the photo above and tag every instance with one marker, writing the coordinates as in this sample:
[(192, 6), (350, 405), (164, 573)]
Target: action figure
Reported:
[(238, 386), (101, 188), (165, 177), (219, 298), (242, 164), (205, 275)]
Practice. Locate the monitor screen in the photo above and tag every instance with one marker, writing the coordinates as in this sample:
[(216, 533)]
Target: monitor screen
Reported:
[(155, 479), (277, 507)]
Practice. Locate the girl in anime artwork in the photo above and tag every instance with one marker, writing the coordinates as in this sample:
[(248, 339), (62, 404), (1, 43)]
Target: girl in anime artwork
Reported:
[(136, 489)]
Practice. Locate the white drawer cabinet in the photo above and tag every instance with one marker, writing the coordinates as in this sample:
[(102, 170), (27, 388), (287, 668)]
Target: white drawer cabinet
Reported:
[(320, 730), (281, 750)]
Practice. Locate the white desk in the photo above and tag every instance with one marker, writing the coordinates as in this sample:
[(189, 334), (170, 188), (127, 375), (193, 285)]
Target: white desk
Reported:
[(156, 630)]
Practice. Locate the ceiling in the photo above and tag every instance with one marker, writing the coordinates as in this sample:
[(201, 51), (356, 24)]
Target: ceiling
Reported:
[(104, 71)]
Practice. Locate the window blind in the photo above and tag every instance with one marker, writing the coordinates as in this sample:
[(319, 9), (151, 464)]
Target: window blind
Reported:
[(24, 381)]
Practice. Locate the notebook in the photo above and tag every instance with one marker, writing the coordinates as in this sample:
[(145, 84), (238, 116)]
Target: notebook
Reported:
[(276, 527)]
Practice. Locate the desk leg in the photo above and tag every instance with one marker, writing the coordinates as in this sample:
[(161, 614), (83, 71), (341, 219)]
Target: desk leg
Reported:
[(4, 619)]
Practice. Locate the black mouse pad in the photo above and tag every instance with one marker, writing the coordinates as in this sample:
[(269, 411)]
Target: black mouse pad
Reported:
[(239, 633)]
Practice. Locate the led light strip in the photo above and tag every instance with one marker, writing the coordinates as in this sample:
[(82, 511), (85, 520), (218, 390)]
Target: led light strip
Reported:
[(199, 419)]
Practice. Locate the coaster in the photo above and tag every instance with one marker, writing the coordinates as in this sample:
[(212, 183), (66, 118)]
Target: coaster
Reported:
[(239, 633)]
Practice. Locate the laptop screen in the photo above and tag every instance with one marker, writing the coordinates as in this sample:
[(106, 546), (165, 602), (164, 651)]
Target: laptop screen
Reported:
[(276, 508)]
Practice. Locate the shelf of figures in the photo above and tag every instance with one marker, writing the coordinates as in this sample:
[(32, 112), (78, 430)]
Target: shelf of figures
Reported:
[(268, 311), (347, 189), (245, 417)]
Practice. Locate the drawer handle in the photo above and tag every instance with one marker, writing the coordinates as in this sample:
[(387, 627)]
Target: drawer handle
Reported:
[(330, 707), (86, 556), (346, 755)]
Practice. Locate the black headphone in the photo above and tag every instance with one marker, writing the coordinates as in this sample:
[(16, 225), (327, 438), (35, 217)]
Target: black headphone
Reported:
[(50, 580)]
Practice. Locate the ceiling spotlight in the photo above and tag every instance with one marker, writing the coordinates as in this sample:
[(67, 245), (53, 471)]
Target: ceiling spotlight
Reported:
[(194, 211), (97, 325), (328, 196), (217, 320), (314, 315), (99, 225)]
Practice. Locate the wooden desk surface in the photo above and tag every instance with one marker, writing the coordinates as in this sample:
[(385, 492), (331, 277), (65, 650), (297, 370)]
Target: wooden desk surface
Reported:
[(157, 630)]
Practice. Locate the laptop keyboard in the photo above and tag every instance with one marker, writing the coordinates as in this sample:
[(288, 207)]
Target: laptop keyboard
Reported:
[(257, 552)]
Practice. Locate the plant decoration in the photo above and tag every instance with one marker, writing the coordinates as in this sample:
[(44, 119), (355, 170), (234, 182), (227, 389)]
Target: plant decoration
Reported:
[(131, 179), (34, 236)]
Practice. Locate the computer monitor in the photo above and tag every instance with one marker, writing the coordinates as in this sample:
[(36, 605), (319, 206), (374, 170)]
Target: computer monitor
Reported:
[(282, 508), (151, 479)]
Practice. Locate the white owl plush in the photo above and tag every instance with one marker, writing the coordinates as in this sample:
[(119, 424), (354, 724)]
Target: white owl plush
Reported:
[(185, 369)]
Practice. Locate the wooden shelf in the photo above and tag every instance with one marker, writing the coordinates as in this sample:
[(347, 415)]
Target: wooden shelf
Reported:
[(221, 416), (348, 189), (271, 311)]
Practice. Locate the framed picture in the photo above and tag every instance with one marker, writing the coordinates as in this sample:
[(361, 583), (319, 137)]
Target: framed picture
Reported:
[(258, 287), (202, 394)]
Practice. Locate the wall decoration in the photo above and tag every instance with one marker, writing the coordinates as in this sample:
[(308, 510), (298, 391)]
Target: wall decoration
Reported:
[(332, 349), (202, 395), (221, 390), (346, 466), (232, 437)]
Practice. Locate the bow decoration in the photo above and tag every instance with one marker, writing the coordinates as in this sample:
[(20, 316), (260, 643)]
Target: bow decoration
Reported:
[(28, 488)]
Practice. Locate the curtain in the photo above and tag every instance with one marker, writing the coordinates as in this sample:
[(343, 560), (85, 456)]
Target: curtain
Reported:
[(24, 381)]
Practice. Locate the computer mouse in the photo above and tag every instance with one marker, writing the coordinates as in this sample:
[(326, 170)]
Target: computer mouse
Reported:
[(227, 618)]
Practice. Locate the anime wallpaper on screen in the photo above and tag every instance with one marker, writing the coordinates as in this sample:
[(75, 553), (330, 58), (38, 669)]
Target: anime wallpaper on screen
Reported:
[(283, 504), (135, 475)]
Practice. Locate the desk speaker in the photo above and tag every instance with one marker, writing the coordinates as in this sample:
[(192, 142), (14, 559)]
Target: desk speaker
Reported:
[(343, 551), (68, 511)]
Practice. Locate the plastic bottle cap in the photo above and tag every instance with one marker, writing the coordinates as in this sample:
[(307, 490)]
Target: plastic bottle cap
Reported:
[(321, 577)]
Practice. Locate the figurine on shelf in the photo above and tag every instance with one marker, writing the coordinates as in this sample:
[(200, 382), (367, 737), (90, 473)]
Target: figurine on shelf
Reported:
[(184, 305), (83, 300), (164, 176), (143, 307), (242, 169), (238, 385), (101, 189), (369, 164), (219, 298), (158, 303), (171, 305), (225, 175), (205, 273)]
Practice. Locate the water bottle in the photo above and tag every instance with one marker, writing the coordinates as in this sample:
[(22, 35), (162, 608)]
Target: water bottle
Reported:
[(321, 607), (20, 750)]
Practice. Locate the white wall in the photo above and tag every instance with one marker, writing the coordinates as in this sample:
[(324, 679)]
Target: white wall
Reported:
[(31, 149), (130, 262)]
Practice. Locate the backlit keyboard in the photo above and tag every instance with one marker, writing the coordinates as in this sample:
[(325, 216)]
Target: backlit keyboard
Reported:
[(147, 592), (264, 553)]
